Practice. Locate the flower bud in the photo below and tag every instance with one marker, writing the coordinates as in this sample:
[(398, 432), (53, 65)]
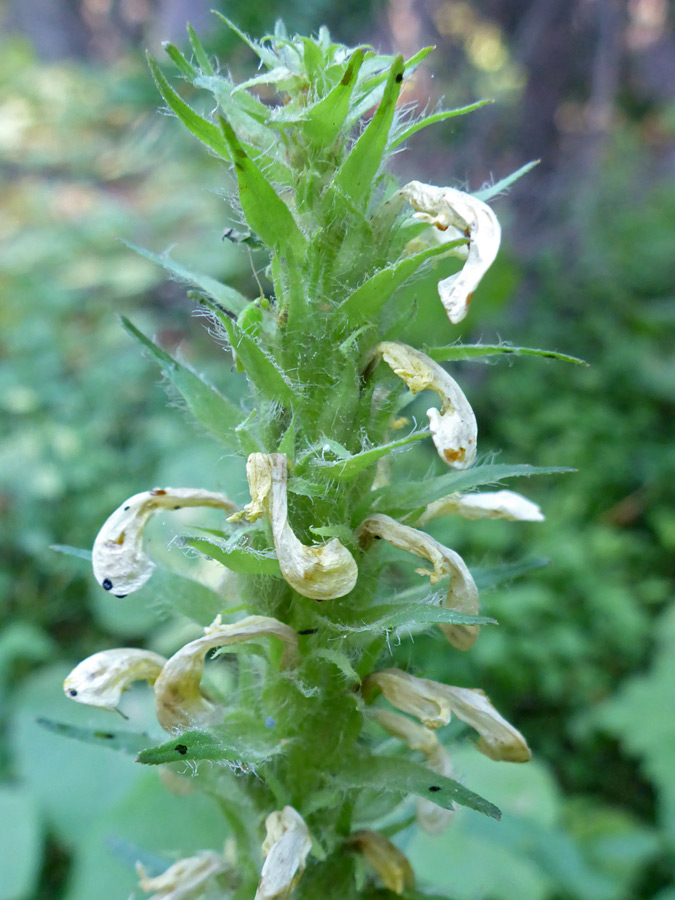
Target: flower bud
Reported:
[(453, 429), (101, 679), (185, 879), (285, 847), (119, 563), (447, 208), (485, 505), (320, 571), (178, 698), (418, 697), (386, 859), (462, 594)]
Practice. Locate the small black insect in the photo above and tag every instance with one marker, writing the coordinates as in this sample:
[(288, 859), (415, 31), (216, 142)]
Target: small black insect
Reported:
[(399, 78), (308, 631), (434, 788), (126, 508), (72, 692), (106, 584), (181, 748)]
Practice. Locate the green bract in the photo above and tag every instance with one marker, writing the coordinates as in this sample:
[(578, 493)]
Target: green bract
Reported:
[(289, 725)]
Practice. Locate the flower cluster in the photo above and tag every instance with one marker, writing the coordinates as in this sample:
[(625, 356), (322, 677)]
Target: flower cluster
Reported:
[(304, 731)]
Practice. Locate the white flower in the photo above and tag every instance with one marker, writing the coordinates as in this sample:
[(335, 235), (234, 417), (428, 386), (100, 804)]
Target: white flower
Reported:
[(447, 208), (485, 505), (418, 697), (178, 697), (453, 429), (320, 571), (462, 594), (285, 847), (119, 563), (101, 679), (185, 879), (387, 860)]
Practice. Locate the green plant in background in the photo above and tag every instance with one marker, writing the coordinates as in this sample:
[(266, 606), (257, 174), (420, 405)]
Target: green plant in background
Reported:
[(308, 769)]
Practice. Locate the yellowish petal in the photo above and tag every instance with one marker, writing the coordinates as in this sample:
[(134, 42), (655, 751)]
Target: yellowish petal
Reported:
[(453, 429), (447, 208), (419, 697), (119, 562), (498, 738), (386, 859), (178, 697), (485, 505), (462, 594), (321, 571), (101, 679), (185, 879), (286, 846)]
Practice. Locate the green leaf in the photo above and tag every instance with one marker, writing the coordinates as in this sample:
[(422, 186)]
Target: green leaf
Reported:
[(386, 616), (213, 411), (488, 577), (175, 593), (369, 298), (473, 351), (371, 87), (266, 56), (199, 52), (413, 494), (229, 298), (347, 469), (237, 558), (323, 121), (357, 173), (433, 119), (181, 62), (206, 131), (501, 185), (340, 660), (265, 211), (126, 741), (236, 741), (401, 776), (261, 369)]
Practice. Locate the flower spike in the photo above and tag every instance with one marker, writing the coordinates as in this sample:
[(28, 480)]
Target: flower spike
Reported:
[(185, 879), (285, 847), (178, 698), (485, 505), (446, 207), (119, 563), (101, 679), (453, 429), (320, 571), (462, 594)]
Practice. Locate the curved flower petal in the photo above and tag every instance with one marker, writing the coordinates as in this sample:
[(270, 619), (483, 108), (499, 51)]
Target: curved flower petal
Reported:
[(485, 505), (286, 846), (387, 860), (119, 563), (101, 679), (178, 698), (453, 429), (185, 879), (498, 738), (462, 594), (418, 697), (320, 571), (446, 207)]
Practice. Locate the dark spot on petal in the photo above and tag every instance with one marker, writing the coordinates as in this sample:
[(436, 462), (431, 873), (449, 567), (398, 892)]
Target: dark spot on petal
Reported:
[(106, 584), (125, 508), (434, 788), (176, 507), (120, 596), (181, 748), (399, 78), (72, 692), (308, 631), (104, 735), (157, 492), (378, 537)]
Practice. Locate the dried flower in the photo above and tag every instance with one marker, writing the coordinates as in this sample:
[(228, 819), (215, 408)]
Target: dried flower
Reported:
[(498, 738), (462, 594), (453, 429), (178, 698), (320, 571), (447, 208), (101, 679), (485, 505), (418, 697), (387, 860), (285, 847), (119, 563), (185, 879)]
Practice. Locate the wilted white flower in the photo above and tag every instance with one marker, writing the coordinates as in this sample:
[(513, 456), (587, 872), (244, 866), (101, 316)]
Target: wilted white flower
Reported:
[(485, 505), (498, 738), (178, 697), (101, 679), (447, 208), (285, 847), (462, 594), (185, 879), (320, 571), (386, 859), (418, 697), (119, 563), (453, 429)]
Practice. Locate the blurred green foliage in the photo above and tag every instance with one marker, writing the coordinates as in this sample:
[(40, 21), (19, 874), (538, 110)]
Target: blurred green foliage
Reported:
[(582, 659)]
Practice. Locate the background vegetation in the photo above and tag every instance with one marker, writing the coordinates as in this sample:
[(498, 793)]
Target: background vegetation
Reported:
[(583, 660)]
